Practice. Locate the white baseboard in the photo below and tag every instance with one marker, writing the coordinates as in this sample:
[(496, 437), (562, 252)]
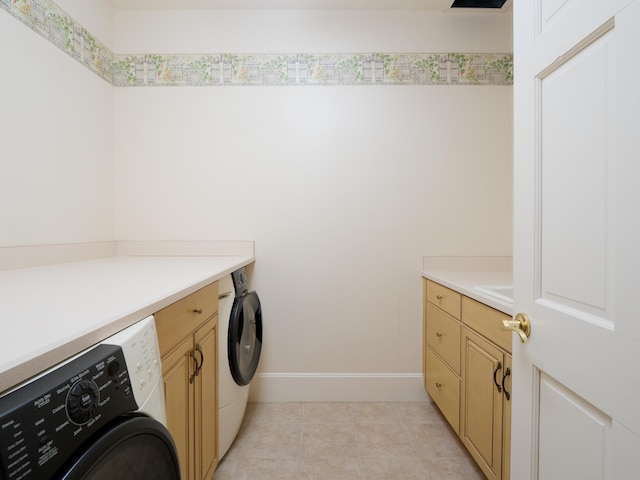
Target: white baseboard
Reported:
[(337, 387)]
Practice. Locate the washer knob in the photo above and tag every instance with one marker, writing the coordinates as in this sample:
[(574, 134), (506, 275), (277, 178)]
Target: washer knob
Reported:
[(82, 401)]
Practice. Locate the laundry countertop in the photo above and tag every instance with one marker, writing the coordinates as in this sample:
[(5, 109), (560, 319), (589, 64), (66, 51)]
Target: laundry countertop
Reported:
[(465, 282), (465, 274), (50, 313)]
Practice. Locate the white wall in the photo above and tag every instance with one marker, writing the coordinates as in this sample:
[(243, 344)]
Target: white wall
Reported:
[(310, 31), (56, 144), (344, 189), (95, 16)]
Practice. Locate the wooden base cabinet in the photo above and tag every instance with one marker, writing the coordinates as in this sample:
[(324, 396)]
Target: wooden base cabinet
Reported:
[(467, 373), (188, 338), (482, 402), (442, 350)]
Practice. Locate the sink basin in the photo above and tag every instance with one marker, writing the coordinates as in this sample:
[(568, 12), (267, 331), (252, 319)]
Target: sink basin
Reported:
[(503, 292)]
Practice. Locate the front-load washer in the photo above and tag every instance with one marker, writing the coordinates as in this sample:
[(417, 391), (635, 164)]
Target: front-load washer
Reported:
[(99, 415), (240, 344)]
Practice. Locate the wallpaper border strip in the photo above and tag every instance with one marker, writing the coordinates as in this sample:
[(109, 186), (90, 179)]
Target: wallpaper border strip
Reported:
[(289, 69)]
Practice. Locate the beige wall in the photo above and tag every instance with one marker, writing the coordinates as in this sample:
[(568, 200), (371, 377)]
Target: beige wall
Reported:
[(56, 144), (344, 189)]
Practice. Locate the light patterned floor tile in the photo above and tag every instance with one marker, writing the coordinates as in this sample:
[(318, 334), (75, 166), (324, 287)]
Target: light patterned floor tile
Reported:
[(328, 440), (435, 440), (330, 469), (274, 469), (276, 440), (276, 413), (419, 412), (452, 468), (233, 469), (369, 413), (392, 468), (326, 413), (346, 441), (383, 440)]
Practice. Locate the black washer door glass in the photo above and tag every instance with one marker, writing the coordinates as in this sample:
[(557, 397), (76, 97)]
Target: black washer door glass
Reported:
[(245, 337), (137, 448)]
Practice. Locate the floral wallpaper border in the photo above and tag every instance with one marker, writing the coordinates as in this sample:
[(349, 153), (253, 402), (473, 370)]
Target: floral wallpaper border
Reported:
[(314, 69), (48, 20)]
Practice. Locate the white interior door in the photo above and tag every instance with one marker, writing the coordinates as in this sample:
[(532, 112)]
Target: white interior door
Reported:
[(576, 383)]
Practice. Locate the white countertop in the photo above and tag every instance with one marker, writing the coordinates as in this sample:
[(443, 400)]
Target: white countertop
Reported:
[(465, 281), (50, 313)]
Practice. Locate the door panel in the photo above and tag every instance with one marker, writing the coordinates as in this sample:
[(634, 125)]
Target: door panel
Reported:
[(576, 237), (576, 149), (575, 437)]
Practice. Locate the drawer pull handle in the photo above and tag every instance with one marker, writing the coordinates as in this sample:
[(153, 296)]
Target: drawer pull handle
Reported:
[(197, 310), (438, 385), (438, 334), (439, 297), (506, 374), (495, 380)]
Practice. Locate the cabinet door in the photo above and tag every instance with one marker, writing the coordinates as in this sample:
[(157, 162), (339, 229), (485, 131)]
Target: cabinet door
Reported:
[(176, 371), (481, 415), (206, 405), (506, 419)]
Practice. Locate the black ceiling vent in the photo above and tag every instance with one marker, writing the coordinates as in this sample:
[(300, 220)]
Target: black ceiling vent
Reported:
[(478, 3)]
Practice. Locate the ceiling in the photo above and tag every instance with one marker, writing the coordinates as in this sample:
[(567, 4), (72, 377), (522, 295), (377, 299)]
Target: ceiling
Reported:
[(434, 5)]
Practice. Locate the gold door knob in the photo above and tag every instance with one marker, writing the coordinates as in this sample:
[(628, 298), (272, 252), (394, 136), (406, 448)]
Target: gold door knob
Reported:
[(520, 324)]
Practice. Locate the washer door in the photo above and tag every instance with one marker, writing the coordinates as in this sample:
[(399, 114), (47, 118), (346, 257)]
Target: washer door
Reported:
[(245, 337), (133, 447)]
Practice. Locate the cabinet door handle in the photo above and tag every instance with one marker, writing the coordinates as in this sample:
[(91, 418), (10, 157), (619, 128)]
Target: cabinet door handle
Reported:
[(197, 310), (506, 374), (438, 334), (192, 354), (438, 385), (495, 380), (439, 297), (199, 368)]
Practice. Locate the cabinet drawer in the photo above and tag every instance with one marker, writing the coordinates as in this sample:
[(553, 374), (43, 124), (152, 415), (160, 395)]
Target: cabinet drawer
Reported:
[(486, 321), (444, 298), (443, 336), (444, 388), (183, 317)]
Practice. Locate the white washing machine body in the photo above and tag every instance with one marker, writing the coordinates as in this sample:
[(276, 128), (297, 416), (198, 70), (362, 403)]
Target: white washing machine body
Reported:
[(97, 416), (232, 398), (139, 344)]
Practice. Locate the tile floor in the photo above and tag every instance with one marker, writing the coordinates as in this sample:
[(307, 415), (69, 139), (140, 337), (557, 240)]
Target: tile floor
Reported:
[(346, 441)]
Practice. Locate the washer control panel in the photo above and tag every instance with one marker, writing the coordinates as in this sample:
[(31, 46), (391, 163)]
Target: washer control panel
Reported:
[(240, 281), (45, 421)]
